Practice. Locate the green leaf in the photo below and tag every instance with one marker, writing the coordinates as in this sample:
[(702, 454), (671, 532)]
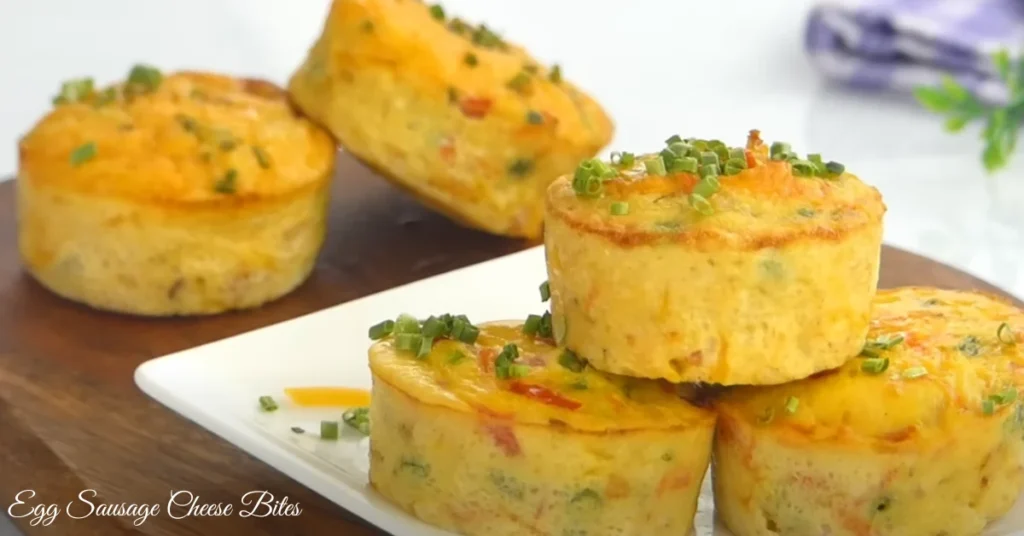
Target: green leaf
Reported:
[(1001, 60), (934, 99), (954, 90), (956, 123), (992, 157)]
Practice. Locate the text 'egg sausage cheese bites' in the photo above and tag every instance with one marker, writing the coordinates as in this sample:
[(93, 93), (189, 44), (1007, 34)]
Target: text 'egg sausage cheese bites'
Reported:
[(466, 121), (510, 435), (920, 435), (186, 194), (705, 263)]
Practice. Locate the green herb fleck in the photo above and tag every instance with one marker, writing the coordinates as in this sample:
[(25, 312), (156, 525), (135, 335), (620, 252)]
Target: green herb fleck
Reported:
[(534, 117), (415, 467), (507, 485), (545, 291), (569, 360), (366, 26), (382, 329), (504, 364), (437, 12), (1005, 334), (586, 498), (456, 357), (805, 212), (520, 83), (188, 123), (486, 38), (268, 404), (520, 167), (619, 208), (887, 342), (144, 77), (470, 59), (261, 156), (556, 74), (875, 365), (74, 90), (915, 372), (228, 183), (358, 418), (970, 346), (792, 404), (83, 153)]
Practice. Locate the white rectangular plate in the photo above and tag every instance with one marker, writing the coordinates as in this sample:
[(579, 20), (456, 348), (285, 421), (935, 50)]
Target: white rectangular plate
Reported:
[(217, 385)]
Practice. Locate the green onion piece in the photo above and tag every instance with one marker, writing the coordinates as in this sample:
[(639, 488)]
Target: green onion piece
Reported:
[(546, 327), (408, 342), (686, 164), (470, 59), (738, 153), (627, 160), (620, 208), (709, 170), (329, 430), (834, 169), (145, 76), (503, 363), (519, 83), (268, 404), (731, 169), (358, 418), (1005, 334), (988, 406), (815, 158), (679, 148), (871, 348), (778, 150), (426, 344), (970, 346), (520, 167), (456, 357), (227, 184), (437, 12), (407, 324), (707, 187), (792, 403), (569, 360), (556, 74), (469, 334), (699, 146), (534, 118), (74, 90), (802, 168), (484, 37), (709, 158), (701, 204), (518, 371), (673, 139), (382, 329), (655, 166), (915, 372), (805, 212), (739, 163), (106, 97), (298, 430), (532, 325), (1005, 397), (545, 291), (433, 327), (875, 365), (83, 153), (262, 158)]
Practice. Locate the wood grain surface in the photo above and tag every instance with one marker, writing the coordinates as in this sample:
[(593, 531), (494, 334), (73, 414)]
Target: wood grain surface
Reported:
[(71, 417)]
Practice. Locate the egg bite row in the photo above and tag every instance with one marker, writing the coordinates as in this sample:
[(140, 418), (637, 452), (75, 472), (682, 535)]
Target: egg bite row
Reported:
[(716, 264), (487, 430)]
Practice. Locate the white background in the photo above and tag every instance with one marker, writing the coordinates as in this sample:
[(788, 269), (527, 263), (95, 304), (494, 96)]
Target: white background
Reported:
[(709, 69)]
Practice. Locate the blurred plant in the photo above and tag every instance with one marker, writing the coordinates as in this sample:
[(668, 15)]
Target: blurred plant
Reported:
[(1002, 123)]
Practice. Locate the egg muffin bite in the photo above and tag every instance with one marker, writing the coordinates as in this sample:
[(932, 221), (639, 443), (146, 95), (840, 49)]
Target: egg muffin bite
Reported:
[(467, 122), (920, 435), (716, 264), (487, 430), (182, 194)]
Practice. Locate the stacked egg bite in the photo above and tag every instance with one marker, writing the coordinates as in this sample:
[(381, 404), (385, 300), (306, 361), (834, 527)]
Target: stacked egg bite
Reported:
[(747, 275)]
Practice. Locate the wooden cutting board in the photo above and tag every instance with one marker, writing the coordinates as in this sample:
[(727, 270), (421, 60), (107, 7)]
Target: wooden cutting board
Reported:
[(71, 418)]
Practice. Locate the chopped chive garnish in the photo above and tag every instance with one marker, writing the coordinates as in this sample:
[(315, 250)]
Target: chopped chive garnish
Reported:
[(519, 83), (426, 344), (469, 334), (620, 208), (484, 37), (1005, 334), (298, 430), (805, 212), (545, 291), (262, 158), (505, 360), (144, 76), (83, 153), (556, 74), (407, 324), (456, 357), (792, 403), (546, 327), (569, 360), (709, 159), (915, 372), (590, 176), (673, 139), (520, 167), (706, 187), (834, 169), (382, 329), (188, 124), (358, 418), (74, 90), (366, 26), (437, 12), (532, 325), (875, 365), (988, 406), (655, 165), (534, 118), (227, 184), (778, 150), (106, 97), (268, 404), (701, 204), (623, 159), (470, 59), (686, 164), (329, 430), (433, 327), (802, 168), (408, 342), (517, 370), (1005, 397), (970, 346), (871, 348)]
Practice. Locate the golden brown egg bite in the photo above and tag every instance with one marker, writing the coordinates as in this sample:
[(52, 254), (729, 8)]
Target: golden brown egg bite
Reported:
[(510, 435), (919, 436), (180, 194), (709, 263), (466, 121)]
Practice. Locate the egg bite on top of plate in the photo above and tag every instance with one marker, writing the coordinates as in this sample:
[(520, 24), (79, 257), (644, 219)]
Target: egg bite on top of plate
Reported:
[(487, 430), (466, 121), (716, 264), (172, 194), (919, 436)]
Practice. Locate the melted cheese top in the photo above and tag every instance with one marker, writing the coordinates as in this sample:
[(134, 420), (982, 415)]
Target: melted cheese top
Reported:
[(549, 394), (951, 336)]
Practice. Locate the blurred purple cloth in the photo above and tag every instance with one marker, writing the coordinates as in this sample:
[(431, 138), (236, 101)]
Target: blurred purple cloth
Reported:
[(902, 44)]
